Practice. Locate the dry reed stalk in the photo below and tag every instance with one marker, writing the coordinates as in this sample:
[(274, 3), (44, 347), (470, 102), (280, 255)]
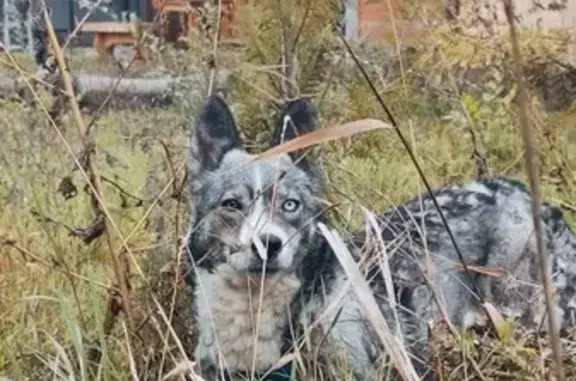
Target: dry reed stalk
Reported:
[(323, 135), (532, 171), (94, 173), (215, 49)]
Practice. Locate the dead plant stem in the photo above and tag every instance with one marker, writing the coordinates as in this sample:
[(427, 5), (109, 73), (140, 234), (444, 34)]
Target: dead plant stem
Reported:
[(96, 179), (532, 171)]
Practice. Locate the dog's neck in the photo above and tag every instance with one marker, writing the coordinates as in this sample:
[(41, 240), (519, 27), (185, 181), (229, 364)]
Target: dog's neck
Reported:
[(242, 318)]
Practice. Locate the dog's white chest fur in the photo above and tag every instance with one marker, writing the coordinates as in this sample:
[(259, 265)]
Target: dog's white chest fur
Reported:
[(230, 314)]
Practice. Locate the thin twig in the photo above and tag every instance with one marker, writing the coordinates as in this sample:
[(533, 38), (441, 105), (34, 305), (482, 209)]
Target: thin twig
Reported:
[(28, 255), (170, 165), (288, 52), (80, 24), (301, 27), (532, 171), (125, 70), (124, 192)]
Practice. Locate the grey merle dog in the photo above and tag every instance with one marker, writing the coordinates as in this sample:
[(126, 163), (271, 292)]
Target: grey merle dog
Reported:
[(261, 272)]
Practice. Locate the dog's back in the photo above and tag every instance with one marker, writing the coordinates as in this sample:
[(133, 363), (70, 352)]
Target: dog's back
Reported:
[(561, 242), (492, 224)]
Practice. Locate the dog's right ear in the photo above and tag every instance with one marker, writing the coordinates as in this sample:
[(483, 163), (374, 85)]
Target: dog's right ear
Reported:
[(214, 134), (297, 118)]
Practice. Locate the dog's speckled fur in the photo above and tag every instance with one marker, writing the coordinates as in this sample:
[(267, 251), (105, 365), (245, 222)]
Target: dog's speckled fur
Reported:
[(262, 273)]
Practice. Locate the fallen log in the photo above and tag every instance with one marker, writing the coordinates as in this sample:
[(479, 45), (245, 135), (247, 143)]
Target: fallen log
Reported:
[(93, 91), (96, 93), (128, 93)]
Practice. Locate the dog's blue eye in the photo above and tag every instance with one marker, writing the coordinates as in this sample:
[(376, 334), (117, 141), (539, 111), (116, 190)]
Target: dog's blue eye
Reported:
[(232, 204), (290, 205)]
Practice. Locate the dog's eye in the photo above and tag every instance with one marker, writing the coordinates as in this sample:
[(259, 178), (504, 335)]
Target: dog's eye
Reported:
[(232, 203), (290, 205)]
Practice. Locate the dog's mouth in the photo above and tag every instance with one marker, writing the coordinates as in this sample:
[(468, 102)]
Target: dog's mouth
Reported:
[(246, 264), (262, 270)]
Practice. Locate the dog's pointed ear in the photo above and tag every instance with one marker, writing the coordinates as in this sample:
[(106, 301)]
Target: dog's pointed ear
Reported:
[(214, 134), (297, 118)]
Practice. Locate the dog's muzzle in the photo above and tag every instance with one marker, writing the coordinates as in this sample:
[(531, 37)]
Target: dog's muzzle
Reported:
[(265, 256)]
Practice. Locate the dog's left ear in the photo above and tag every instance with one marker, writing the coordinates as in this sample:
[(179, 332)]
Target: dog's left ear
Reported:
[(214, 134), (298, 118)]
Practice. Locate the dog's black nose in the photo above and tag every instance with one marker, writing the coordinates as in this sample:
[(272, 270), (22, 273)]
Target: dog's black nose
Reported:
[(272, 246)]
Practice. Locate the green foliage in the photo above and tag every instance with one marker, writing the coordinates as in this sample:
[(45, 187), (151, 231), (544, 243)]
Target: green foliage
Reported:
[(287, 52)]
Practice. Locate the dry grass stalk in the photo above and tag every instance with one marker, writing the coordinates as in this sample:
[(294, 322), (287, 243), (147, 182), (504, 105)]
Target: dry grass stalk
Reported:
[(119, 270), (29, 256), (323, 135), (392, 345), (215, 48), (533, 178)]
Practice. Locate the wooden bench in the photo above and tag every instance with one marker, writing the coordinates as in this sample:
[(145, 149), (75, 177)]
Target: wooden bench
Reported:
[(109, 34)]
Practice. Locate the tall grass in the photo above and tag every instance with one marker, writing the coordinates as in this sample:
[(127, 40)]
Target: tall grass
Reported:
[(59, 297)]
